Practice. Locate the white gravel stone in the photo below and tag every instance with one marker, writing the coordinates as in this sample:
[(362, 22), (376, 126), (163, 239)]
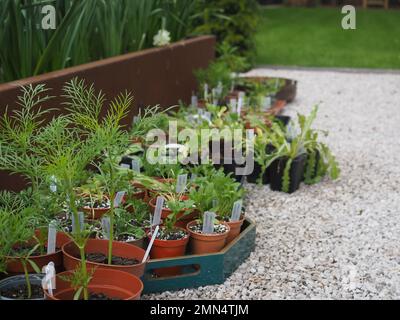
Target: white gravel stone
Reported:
[(334, 240)]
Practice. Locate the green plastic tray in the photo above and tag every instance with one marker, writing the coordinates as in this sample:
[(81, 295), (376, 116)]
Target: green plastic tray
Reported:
[(202, 270)]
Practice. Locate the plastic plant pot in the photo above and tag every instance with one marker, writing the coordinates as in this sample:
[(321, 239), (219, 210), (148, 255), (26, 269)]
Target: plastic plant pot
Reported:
[(12, 282)]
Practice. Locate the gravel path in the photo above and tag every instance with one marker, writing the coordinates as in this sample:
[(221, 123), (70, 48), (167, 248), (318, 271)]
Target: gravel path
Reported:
[(334, 240)]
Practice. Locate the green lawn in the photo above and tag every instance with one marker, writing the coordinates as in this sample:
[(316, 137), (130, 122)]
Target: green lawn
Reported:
[(314, 37)]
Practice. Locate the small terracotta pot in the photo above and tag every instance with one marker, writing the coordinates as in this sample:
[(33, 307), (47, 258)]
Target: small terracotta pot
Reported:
[(120, 249), (206, 243), (169, 249), (235, 228), (15, 266), (113, 283)]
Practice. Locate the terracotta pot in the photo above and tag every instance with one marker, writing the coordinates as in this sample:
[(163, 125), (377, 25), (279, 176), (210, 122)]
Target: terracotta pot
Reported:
[(168, 249), (235, 228), (14, 265), (182, 219), (113, 283), (206, 243), (120, 249)]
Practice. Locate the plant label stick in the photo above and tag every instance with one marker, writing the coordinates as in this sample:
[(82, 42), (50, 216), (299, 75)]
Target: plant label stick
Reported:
[(208, 223), (195, 101), (105, 225), (236, 211), (157, 211), (136, 165), (240, 105), (51, 238), (118, 198), (193, 177), (49, 280), (233, 105), (146, 255), (181, 183), (53, 184), (205, 91), (207, 116), (136, 119), (215, 96), (125, 166)]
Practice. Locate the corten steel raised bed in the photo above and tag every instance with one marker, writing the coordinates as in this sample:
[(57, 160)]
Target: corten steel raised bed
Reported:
[(154, 76), (202, 270)]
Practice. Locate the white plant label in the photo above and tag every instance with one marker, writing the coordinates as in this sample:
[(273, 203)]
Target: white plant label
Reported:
[(146, 255), (136, 119), (125, 166), (250, 135), (215, 202), (207, 116), (195, 101), (266, 104), (237, 211), (157, 211), (49, 280), (193, 177), (105, 225), (208, 223), (233, 105), (181, 183), (220, 88), (118, 198), (136, 165), (205, 91), (53, 184), (276, 84), (51, 238), (240, 105)]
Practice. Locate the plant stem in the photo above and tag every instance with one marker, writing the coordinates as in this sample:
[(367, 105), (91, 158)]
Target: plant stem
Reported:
[(28, 281), (84, 271)]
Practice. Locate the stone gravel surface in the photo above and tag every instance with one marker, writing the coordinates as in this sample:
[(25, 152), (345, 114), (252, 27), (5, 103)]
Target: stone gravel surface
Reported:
[(334, 240)]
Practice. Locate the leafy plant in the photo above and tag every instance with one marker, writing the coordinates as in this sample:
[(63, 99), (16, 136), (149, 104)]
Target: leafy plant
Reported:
[(305, 140), (177, 206), (17, 242)]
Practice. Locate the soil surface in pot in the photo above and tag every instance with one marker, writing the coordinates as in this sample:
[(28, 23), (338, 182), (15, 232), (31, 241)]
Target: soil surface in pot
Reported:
[(218, 228), (101, 296), (20, 292), (177, 234), (116, 261), (21, 250)]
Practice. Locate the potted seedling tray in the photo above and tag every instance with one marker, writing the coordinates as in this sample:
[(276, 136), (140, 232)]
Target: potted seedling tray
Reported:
[(202, 270)]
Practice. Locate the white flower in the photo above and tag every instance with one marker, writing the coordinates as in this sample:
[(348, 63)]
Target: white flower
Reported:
[(162, 38)]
